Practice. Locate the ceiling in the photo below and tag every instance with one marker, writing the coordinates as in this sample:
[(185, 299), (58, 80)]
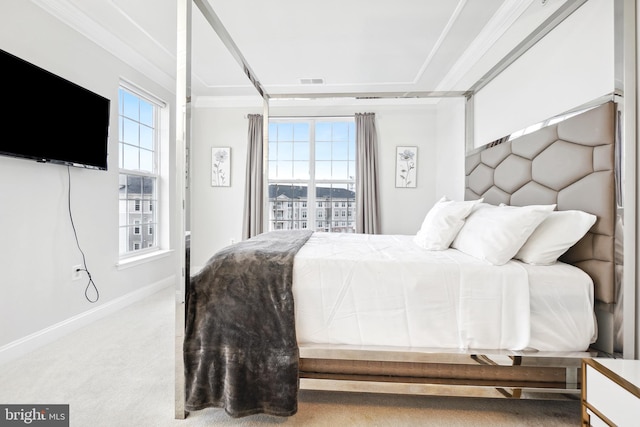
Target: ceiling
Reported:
[(355, 46)]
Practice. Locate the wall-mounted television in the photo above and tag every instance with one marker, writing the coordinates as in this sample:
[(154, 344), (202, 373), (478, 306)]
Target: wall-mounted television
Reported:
[(49, 119)]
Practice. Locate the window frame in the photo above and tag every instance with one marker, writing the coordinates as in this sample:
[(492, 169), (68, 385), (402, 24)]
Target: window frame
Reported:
[(142, 206), (312, 208)]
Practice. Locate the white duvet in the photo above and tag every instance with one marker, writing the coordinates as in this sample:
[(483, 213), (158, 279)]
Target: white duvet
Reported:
[(363, 290)]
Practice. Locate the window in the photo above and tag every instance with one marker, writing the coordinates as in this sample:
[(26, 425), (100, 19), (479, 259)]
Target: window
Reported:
[(312, 165), (138, 157)]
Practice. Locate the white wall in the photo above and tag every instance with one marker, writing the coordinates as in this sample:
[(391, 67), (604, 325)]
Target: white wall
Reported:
[(216, 212), (37, 246), (570, 66), (216, 215), (403, 209)]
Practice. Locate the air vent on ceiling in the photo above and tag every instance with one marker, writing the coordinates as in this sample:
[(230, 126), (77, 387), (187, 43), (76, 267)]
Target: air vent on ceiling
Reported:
[(311, 81)]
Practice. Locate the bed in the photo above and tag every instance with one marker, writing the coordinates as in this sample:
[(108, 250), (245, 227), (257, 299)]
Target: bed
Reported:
[(390, 314), (384, 290)]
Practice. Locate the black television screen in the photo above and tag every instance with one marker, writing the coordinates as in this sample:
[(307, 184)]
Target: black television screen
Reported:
[(49, 119)]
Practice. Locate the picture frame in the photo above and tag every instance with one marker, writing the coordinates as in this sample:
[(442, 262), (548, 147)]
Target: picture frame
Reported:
[(221, 166), (406, 166)]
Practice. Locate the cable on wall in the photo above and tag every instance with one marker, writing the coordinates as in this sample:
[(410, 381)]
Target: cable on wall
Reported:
[(84, 268)]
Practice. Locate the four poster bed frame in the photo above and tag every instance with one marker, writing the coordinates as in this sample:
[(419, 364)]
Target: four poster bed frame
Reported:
[(500, 174)]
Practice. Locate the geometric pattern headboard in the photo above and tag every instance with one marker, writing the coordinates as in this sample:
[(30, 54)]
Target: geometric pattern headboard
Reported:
[(571, 164)]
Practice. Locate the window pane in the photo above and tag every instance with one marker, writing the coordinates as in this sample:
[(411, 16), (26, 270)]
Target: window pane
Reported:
[(285, 170), (285, 132), (148, 239), (146, 160), (323, 209), (340, 151), (287, 207), (130, 132), (285, 151), (134, 217), (146, 137), (323, 131), (301, 132), (301, 151), (146, 113), (340, 170), (134, 186), (130, 157), (273, 132), (148, 188), (130, 105), (323, 170), (338, 199), (323, 150), (301, 170), (340, 131)]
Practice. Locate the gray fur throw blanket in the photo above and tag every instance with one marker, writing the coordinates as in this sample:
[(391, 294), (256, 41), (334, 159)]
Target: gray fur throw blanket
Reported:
[(240, 348)]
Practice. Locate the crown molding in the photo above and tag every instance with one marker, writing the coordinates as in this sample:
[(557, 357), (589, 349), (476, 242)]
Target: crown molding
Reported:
[(443, 35), (257, 102), (69, 14), (504, 18)]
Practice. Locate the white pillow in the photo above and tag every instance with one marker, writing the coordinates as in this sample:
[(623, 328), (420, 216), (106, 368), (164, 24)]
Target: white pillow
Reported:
[(496, 233), (554, 236), (442, 223)]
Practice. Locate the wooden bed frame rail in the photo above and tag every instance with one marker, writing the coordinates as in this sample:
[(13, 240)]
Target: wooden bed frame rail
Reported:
[(503, 374)]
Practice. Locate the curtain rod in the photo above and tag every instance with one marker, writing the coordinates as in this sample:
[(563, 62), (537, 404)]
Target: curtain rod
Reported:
[(333, 116)]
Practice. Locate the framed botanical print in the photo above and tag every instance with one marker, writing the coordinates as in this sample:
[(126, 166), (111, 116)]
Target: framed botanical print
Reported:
[(221, 166), (406, 166)]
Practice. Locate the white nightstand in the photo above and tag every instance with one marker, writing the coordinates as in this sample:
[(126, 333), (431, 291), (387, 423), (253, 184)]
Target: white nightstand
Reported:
[(610, 392)]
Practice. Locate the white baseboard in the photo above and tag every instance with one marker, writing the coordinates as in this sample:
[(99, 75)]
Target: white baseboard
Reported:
[(22, 346)]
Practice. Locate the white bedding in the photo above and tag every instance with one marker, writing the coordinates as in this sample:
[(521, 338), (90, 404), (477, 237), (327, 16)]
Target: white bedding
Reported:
[(385, 290)]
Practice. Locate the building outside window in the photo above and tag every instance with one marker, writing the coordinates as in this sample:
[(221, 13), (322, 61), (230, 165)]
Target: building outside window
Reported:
[(138, 157), (311, 169)]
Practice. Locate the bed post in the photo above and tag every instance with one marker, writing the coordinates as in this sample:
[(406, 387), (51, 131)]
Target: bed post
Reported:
[(468, 124), (183, 136), (265, 162), (625, 76)]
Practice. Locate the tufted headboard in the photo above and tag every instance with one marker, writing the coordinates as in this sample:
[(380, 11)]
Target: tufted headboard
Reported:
[(572, 164)]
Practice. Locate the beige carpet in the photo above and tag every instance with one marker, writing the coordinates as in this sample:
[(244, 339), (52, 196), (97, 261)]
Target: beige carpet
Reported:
[(119, 372)]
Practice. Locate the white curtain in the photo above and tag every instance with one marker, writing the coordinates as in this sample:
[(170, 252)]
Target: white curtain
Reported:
[(253, 212), (367, 198)]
